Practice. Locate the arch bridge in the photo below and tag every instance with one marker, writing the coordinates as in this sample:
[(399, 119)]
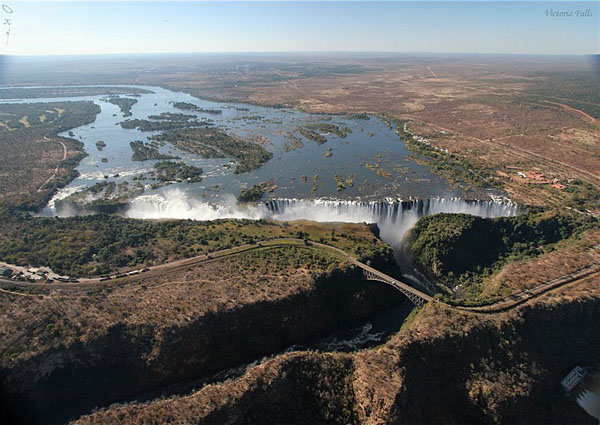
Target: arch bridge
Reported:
[(417, 297)]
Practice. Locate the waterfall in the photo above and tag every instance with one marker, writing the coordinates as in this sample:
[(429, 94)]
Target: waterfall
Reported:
[(394, 217)]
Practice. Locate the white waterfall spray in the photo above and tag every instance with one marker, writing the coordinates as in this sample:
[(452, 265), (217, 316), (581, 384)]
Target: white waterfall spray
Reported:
[(394, 218)]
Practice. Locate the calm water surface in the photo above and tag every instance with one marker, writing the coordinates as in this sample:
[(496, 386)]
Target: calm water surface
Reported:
[(371, 142)]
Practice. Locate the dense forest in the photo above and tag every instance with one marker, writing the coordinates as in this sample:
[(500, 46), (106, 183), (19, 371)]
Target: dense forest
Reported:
[(145, 152), (253, 194), (97, 244), (454, 249), (177, 171), (212, 142), (186, 106), (162, 125), (124, 103)]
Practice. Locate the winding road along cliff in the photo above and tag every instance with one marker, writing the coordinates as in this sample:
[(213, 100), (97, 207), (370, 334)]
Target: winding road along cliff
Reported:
[(503, 304)]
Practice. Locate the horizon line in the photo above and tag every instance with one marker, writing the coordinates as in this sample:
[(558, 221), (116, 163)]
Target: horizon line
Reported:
[(272, 52)]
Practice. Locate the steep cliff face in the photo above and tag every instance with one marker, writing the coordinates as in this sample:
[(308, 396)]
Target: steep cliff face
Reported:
[(127, 359), (481, 370), (473, 261), (449, 245), (305, 388), (295, 388), (445, 367)]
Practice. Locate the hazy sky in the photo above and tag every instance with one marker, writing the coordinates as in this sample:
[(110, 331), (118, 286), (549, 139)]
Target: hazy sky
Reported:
[(424, 26)]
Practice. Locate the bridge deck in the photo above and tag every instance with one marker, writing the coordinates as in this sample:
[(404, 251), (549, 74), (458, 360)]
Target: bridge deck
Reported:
[(417, 297), (413, 294)]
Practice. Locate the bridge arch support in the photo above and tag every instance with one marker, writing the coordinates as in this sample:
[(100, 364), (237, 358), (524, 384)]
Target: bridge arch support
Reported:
[(415, 296)]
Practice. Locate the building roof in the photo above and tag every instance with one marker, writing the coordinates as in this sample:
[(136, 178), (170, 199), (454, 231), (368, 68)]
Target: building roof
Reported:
[(573, 379)]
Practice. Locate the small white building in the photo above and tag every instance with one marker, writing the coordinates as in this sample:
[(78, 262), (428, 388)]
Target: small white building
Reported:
[(574, 378)]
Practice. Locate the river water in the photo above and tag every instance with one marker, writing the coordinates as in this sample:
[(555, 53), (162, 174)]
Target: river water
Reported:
[(373, 198), (380, 327), (394, 200), (371, 142)]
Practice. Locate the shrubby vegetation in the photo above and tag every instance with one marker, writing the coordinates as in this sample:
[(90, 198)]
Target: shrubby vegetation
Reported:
[(339, 181), (292, 142), (171, 124), (58, 116), (37, 92), (577, 89), (329, 128), (315, 131), (312, 135), (197, 137), (212, 142), (455, 249), (97, 244), (453, 168), (249, 118), (186, 106), (361, 116), (144, 152), (32, 151), (290, 257), (124, 103), (582, 195), (255, 193), (177, 171), (172, 117)]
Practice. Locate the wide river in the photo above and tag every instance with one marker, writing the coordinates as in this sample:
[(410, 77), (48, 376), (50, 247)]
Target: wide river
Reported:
[(304, 176), (372, 142), (394, 199)]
